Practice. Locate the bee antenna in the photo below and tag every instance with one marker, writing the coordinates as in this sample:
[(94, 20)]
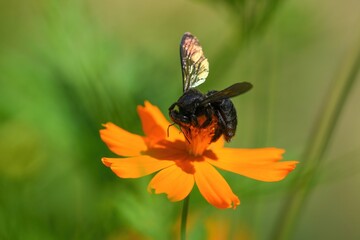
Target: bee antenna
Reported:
[(167, 131), (185, 137)]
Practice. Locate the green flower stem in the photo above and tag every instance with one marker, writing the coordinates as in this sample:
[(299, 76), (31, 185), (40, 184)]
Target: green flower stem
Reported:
[(317, 145), (184, 215)]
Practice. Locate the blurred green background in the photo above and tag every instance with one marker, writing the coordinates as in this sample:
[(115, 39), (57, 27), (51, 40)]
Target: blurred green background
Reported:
[(68, 66)]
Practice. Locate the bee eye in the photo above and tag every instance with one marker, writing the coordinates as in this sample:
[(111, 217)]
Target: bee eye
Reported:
[(176, 108)]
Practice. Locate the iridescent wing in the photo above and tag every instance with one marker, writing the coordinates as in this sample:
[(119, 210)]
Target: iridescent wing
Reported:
[(194, 65), (232, 91)]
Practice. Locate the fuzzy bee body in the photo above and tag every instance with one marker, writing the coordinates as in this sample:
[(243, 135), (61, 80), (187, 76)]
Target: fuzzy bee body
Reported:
[(227, 118), (197, 110)]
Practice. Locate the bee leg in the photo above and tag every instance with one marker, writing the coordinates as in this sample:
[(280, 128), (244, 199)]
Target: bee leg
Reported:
[(220, 130), (194, 120), (208, 114), (220, 119)]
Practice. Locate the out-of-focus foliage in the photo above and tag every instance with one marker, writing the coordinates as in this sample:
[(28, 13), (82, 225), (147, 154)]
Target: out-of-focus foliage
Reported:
[(68, 66), (248, 17)]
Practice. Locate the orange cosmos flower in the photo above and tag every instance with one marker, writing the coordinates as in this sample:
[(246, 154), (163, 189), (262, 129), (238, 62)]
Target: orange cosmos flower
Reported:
[(181, 164)]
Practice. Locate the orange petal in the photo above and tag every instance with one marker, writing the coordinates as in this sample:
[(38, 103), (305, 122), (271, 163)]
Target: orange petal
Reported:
[(122, 142), (173, 181), (260, 164), (213, 186), (218, 144), (155, 125), (135, 167)]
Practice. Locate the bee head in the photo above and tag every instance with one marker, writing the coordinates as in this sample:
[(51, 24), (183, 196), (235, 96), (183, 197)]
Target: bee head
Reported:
[(182, 110)]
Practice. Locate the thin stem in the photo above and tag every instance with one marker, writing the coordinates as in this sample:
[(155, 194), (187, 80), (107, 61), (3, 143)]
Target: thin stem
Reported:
[(184, 215), (318, 143)]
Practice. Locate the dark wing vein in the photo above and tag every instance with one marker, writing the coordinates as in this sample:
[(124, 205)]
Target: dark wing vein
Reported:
[(194, 65)]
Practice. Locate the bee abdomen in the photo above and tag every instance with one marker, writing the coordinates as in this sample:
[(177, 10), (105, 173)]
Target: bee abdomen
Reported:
[(226, 114)]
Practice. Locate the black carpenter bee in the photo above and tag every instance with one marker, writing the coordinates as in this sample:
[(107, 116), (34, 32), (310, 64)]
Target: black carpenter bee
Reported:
[(215, 106)]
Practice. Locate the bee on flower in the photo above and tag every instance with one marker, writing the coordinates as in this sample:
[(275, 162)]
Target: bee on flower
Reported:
[(183, 160)]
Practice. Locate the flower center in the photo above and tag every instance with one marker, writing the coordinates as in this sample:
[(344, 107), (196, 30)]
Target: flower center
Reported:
[(199, 138)]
